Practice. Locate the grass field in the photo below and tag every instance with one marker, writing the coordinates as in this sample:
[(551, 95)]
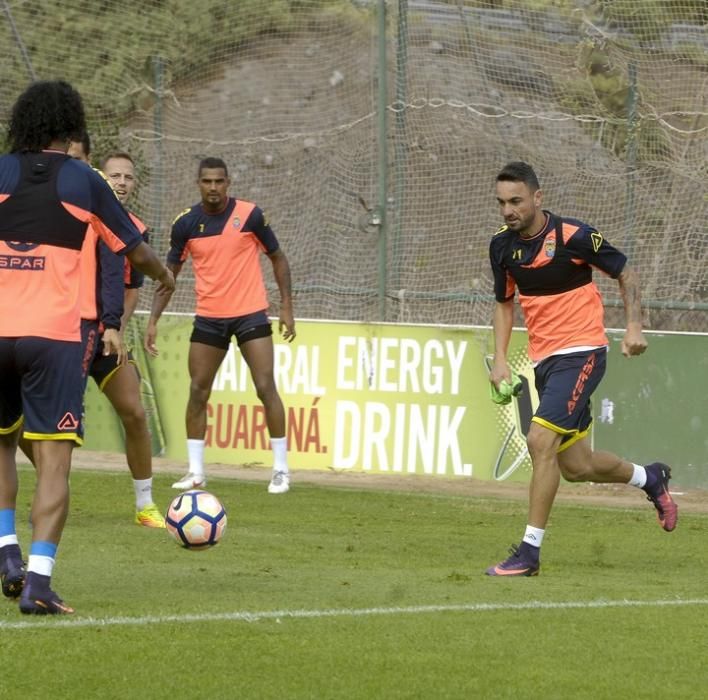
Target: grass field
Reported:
[(349, 593)]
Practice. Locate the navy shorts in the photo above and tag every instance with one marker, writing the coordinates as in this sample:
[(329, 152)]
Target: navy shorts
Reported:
[(40, 383), (564, 384), (218, 331), (94, 363)]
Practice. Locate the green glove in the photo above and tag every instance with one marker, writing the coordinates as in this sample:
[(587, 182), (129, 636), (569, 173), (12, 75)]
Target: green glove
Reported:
[(506, 389)]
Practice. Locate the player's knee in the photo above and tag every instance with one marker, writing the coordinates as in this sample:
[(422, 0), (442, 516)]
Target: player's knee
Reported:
[(266, 390), (198, 394), (133, 417), (574, 476), (572, 470), (540, 444)]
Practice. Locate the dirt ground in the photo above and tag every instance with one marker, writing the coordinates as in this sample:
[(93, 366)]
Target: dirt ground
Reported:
[(621, 496)]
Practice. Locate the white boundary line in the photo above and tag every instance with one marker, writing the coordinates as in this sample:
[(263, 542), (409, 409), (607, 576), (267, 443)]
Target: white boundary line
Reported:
[(52, 622)]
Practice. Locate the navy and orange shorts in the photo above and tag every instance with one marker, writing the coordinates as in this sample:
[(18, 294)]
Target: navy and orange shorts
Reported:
[(41, 385), (94, 363), (565, 384), (217, 332)]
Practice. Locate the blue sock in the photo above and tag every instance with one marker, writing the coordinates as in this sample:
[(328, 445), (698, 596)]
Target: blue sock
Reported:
[(44, 549), (8, 534), (41, 558), (7, 522)]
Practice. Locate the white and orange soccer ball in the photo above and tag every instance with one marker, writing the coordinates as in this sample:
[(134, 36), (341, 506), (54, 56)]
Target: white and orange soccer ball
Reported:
[(196, 519)]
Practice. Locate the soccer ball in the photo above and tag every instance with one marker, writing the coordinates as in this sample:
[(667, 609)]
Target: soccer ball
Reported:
[(196, 519)]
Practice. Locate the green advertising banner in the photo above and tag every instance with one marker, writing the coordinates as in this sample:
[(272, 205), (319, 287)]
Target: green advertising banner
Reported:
[(385, 398), (653, 408), (365, 397)]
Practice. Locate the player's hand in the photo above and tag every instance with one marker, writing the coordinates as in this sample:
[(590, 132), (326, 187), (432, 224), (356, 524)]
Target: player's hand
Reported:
[(166, 283), (113, 344), (500, 371), (286, 325), (150, 338), (634, 342)]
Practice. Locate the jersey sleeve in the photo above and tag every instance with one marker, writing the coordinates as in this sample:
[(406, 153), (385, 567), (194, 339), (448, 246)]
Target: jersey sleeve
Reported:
[(110, 271), (179, 238), (504, 285), (9, 175), (134, 279), (590, 245), (257, 223)]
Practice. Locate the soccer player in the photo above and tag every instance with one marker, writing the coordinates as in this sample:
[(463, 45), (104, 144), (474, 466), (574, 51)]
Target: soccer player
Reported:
[(225, 237), (48, 201), (549, 259), (101, 296), (120, 382)]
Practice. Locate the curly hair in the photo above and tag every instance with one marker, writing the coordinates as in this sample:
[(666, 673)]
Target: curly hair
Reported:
[(46, 111)]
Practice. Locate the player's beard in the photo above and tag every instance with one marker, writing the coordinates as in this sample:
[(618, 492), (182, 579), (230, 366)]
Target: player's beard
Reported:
[(524, 226), (214, 203)]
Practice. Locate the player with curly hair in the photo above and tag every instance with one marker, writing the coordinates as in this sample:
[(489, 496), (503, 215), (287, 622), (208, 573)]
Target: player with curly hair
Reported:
[(48, 201)]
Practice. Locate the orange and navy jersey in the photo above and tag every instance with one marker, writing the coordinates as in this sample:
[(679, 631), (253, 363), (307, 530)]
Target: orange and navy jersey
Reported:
[(47, 202), (225, 250), (101, 282), (552, 271), (132, 278)]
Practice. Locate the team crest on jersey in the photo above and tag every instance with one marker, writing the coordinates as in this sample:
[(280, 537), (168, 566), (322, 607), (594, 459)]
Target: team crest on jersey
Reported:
[(549, 246), (236, 222)]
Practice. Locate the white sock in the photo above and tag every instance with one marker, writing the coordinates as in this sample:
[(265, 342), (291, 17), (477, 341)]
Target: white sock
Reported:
[(143, 492), (639, 477), (533, 536), (8, 539), (280, 454), (195, 450), (40, 564)]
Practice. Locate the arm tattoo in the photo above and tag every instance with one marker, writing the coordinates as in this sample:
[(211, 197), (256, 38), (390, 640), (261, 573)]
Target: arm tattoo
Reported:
[(631, 295)]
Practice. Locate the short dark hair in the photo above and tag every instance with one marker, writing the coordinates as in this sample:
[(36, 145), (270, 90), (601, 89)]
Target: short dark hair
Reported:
[(212, 162), (85, 142), (48, 110), (518, 171), (116, 154)]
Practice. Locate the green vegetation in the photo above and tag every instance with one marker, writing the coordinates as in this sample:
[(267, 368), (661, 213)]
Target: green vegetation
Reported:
[(152, 618), (122, 40), (649, 17), (633, 14), (137, 47)]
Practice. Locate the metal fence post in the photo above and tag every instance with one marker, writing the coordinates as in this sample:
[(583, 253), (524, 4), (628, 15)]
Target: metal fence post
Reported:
[(383, 157), (159, 78), (399, 172), (631, 157)]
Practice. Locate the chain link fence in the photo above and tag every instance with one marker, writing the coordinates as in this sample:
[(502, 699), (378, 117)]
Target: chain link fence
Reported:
[(371, 132)]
